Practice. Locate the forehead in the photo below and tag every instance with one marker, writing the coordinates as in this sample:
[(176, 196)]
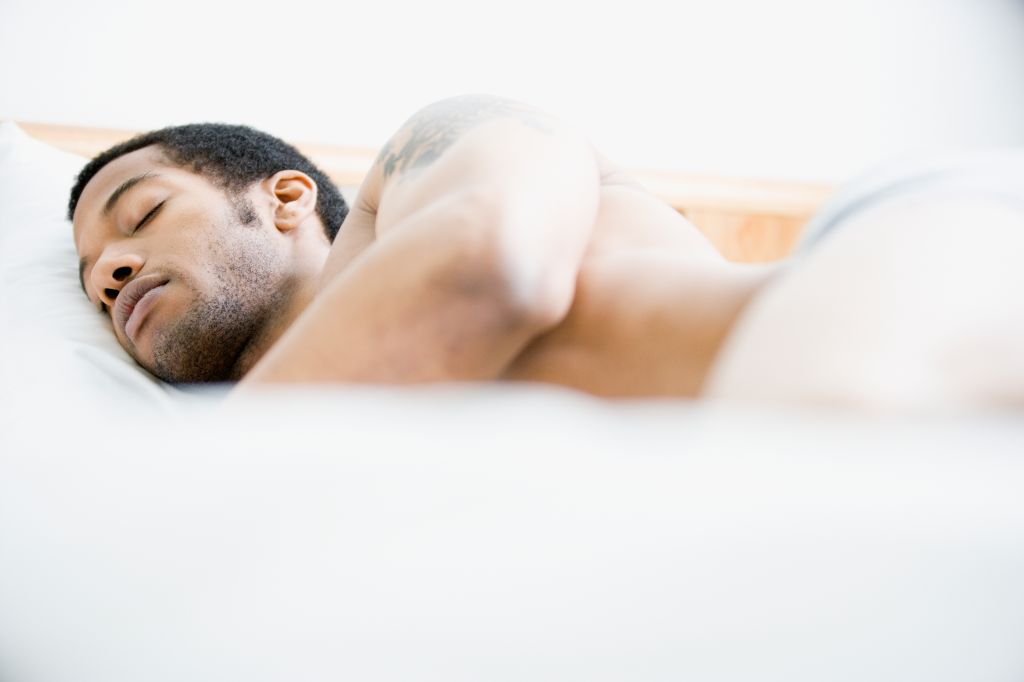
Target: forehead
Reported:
[(108, 178)]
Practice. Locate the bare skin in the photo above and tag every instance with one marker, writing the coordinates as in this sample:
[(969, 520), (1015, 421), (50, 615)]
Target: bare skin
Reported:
[(636, 324), (229, 288), (489, 241), (654, 303)]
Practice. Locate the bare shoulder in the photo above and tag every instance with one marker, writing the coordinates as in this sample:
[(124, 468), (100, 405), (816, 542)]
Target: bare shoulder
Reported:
[(425, 136), (614, 175), (477, 150), (431, 131)]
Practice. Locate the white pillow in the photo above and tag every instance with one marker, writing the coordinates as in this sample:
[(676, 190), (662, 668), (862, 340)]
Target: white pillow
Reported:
[(52, 334)]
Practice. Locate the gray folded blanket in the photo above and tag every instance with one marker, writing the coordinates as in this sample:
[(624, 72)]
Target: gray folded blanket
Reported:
[(995, 173)]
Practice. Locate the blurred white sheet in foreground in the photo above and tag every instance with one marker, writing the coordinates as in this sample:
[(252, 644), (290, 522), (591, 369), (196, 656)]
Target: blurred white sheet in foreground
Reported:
[(478, 533)]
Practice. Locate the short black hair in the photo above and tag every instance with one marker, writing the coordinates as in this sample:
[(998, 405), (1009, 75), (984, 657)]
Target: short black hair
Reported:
[(234, 156)]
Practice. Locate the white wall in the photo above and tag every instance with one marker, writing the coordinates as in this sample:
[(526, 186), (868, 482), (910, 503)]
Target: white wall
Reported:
[(813, 89)]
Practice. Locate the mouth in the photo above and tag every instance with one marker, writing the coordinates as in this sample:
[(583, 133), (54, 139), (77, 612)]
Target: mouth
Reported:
[(135, 301)]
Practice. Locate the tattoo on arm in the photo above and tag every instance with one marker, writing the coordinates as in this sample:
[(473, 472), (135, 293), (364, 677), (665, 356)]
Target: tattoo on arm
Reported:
[(431, 131)]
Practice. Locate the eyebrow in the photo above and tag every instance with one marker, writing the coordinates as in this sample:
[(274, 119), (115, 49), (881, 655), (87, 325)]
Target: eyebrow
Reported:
[(108, 207), (116, 195)]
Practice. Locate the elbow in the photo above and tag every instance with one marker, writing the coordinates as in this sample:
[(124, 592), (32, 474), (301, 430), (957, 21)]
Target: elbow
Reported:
[(539, 298), (524, 304), (521, 252), (527, 291)]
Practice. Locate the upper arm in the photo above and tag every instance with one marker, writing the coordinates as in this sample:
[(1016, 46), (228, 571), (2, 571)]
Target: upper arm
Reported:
[(479, 142)]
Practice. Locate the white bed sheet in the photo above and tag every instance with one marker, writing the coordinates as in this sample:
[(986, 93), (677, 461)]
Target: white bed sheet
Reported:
[(477, 533)]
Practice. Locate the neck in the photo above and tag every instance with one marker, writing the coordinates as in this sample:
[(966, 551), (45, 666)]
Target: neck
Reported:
[(292, 300)]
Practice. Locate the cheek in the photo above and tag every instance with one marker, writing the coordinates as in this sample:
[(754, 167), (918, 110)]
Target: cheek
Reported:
[(219, 256), (240, 259), (181, 257), (192, 245)]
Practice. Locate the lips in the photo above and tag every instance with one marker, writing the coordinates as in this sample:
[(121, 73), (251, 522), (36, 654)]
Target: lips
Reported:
[(135, 301)]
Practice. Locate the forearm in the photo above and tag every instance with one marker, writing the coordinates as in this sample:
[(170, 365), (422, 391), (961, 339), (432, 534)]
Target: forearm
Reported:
[(409, 310)]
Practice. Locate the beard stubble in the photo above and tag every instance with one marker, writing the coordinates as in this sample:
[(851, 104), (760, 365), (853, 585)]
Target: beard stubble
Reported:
[(206, 344)]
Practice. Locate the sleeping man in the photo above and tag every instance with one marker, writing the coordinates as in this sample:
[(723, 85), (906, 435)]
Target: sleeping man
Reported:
[(490, 241)]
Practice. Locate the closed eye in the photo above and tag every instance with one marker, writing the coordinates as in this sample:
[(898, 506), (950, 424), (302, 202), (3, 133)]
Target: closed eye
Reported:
[(149, 216)]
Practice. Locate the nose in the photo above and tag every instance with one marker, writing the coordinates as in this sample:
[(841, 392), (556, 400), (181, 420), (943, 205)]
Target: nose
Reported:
[(112, 272)]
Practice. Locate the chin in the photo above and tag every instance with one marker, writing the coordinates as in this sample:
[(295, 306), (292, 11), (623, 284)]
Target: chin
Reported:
[(193, 363)]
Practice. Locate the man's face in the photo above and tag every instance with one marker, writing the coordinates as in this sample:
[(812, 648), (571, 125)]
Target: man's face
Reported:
[(188, 275)]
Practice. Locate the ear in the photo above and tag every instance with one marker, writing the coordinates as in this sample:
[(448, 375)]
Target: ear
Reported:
[(294, 195)]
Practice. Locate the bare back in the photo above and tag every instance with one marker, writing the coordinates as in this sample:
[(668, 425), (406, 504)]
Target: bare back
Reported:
[(636, 326), (914, 303), (631, 328)]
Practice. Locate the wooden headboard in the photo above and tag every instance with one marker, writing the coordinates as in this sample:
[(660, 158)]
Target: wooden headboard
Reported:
[(748, 220)]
